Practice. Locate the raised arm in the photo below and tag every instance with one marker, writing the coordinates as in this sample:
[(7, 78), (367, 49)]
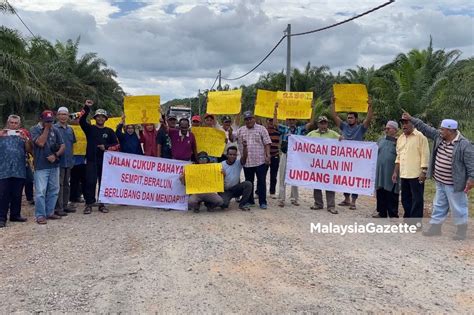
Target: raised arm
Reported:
[(428, 131), (335, 117), (86, 127), (370, 114)]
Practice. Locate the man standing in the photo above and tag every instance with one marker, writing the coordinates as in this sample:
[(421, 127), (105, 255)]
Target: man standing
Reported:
[(286, 131), (47, 149), (99, 139), (163, 141), (258, 145), (274, 154), (324, 132), (411, 165), (233, 188), (183, 143), (452, 167), (14, 144), (352, 130), (196, 121), (387, 191), (66, 162)]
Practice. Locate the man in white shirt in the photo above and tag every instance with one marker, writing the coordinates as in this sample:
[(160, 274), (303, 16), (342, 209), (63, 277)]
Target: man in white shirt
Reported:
[(233, 188)]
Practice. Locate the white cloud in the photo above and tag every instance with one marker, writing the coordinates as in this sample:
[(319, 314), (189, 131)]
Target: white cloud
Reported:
[(175, 48)]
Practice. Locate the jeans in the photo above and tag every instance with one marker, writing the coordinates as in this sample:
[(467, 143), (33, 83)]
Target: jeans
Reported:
[(445, 199), (412, 198), (46, 191), (211, 200), (93, 174), (282, 190), (64, 189), (242, 189), (10, 197), (274, 165), (260, 171), (387, 203), (330, 198)]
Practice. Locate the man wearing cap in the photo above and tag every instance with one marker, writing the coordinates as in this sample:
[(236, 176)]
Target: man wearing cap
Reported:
[(411, 166), (99, 139), (211, 200), (452, 167), (66, 162), (324, 132), (387, 192), (352, 130), (48, 146), (14, 144), (163, 141), (196, 121), (258, 145)]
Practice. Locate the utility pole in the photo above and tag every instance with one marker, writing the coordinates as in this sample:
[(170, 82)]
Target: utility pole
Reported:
[(288, 58), (219, 87)]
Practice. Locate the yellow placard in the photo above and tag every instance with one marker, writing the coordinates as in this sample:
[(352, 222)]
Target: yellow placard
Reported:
[(351, 98), (296, 105), (210, 140), (203, 178), (224, 102), (144, 109), (265, 103), (79, 148), (111, 122)]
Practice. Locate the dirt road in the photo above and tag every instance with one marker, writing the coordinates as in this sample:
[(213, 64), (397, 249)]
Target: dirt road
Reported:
[(263, 261)]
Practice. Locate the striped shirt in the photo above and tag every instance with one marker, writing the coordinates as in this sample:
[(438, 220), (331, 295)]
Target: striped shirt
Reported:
[(275, 137), (443, 170)]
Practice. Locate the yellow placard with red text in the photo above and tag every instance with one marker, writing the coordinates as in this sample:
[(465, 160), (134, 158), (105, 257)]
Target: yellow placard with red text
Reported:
[(296, 105), (203, 178), (351, 98), (143, 109), (224, 102)]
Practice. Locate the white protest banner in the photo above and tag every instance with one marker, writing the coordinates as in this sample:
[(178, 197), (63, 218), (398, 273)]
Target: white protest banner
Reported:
[(328, 164), (137, 180)]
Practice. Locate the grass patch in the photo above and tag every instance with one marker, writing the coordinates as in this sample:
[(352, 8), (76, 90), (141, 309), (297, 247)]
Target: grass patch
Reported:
[(430, 190)]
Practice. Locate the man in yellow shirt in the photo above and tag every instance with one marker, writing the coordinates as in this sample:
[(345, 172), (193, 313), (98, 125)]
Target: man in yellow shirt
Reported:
[(411, 165)]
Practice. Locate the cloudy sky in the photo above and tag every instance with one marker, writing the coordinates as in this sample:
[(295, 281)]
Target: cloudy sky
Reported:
[(175, 48)]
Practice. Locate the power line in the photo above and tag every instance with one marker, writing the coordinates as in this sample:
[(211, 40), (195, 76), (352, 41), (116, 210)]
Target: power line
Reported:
[(345, 21), (21, 20), (310, 32), (265, 58)]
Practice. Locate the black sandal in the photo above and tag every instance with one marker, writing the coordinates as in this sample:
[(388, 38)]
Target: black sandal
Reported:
[(88, 210), (103, 209)]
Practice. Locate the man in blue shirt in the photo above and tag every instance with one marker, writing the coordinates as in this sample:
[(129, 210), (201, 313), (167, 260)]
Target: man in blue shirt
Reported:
[(48, 146), (352, 130), (286, 131), (66, 162), (13, 147)]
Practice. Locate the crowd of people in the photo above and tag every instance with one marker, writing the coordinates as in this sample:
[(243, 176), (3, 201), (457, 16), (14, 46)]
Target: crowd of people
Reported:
[(404, 163)]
